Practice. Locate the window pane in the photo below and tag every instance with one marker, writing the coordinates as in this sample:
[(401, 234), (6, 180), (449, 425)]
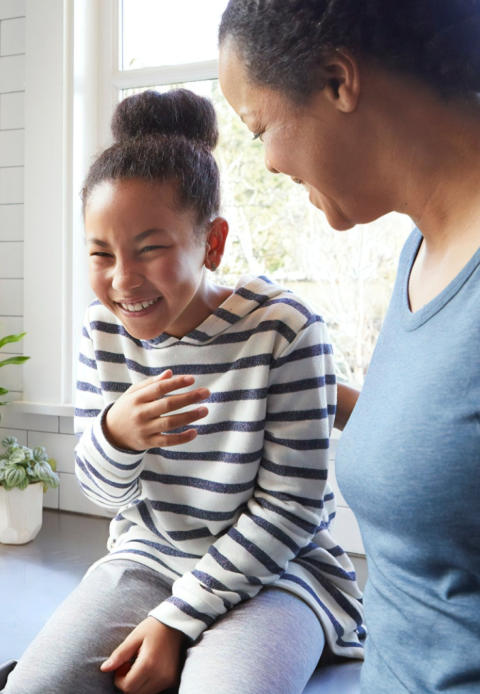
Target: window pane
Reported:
[(347, 277), (162, 32)]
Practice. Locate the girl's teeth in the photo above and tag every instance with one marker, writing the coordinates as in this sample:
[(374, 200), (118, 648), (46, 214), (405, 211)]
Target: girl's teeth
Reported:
[(138, 307)]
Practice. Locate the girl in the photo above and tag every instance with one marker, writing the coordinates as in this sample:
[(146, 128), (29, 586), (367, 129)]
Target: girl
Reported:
[(221, 569)]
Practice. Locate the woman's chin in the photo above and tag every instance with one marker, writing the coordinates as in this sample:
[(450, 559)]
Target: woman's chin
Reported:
[(335, 218), (340, 224)]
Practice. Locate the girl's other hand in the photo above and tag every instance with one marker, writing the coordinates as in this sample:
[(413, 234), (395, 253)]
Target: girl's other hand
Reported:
[(148, 661), (140, 418)]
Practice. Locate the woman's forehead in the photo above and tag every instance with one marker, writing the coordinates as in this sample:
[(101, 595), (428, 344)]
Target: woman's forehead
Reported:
[(248, 99)]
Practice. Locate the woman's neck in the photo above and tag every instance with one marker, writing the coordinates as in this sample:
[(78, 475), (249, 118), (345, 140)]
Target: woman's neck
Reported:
[(428, 162)]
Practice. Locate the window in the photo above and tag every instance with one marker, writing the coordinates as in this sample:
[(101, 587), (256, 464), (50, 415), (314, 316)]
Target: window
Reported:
[(82, 58)]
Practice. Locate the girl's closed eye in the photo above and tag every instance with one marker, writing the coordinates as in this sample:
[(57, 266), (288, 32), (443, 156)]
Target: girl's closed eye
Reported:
[(147, 249), (258, 135), (100, 254)]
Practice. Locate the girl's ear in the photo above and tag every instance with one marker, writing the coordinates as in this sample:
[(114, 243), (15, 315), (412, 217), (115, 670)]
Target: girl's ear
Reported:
[(215, 243)]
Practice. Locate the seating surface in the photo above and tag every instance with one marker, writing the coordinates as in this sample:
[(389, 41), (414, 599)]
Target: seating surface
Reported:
[(335, 679), (47, 569)]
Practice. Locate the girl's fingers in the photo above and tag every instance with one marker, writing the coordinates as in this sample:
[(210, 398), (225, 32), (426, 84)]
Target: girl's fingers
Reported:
[(134, 679), (176, 421), (170, 403), (152, 380), (166, 440), (121, 655), (158, 387)]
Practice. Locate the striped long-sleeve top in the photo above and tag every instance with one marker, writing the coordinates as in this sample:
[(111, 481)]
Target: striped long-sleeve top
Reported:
[(246, 503)]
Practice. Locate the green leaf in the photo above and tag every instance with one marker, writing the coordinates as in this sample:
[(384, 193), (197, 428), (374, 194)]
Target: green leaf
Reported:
[(11, 338), (53, 464), (3, 391), (14, 360), (16, 456), (15, 476)]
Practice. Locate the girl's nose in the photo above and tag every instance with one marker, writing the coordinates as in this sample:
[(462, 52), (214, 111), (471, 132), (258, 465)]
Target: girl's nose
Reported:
[(126, 276)]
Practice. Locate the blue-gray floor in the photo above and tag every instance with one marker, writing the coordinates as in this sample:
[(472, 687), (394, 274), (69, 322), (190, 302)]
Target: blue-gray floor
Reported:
[(34, 579)]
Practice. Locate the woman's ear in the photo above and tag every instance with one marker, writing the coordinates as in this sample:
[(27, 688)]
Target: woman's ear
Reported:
[(215, 242), (341, 79)]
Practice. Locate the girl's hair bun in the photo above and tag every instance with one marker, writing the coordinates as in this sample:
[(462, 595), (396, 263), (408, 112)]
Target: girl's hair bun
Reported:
[(178, 112)]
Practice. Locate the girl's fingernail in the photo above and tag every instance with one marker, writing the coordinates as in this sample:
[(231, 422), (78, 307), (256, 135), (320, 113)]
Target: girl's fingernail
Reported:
[(107, 663)]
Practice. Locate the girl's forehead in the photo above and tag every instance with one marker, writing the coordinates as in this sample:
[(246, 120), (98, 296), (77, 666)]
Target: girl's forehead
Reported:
[(127, 207)]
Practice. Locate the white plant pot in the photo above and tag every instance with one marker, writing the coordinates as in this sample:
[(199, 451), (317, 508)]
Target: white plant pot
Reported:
[(20, 514)]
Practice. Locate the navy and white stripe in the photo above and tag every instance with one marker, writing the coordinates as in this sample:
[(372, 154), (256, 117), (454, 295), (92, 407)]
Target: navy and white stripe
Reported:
[(246, 503)]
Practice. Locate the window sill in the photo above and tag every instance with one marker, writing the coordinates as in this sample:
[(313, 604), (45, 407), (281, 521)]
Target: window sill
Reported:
[(51, 409)]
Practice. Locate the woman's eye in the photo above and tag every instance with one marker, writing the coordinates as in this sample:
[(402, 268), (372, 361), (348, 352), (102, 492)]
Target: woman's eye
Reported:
[(101, 254), (258, 136)]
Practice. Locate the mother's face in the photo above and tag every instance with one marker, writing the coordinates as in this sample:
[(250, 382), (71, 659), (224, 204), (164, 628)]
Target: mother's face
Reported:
[(313, 143)]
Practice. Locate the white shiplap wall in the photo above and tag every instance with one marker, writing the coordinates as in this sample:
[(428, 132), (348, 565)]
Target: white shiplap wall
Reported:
[(56, 433), (12, 92)]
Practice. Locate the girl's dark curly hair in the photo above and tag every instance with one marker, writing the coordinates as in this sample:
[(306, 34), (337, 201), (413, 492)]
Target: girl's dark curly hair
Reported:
[(164, 137), (284, 42)]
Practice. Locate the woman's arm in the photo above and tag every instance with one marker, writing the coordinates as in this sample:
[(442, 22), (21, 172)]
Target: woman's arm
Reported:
[(346, 400)]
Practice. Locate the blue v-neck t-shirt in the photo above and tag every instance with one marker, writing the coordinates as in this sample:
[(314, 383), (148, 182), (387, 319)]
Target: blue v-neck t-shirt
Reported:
[(408, 464)]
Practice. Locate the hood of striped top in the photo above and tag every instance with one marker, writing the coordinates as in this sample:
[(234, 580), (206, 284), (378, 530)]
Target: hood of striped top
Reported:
[(249, 294)]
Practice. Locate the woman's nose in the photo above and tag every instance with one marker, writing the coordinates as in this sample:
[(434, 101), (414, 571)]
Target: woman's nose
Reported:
[(270, 166)]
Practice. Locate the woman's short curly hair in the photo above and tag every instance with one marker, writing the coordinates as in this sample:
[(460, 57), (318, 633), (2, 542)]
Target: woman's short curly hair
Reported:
[(284, 42)]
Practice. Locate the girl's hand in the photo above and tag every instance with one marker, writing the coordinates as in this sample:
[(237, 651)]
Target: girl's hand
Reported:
[(148, 661), (140, 417)]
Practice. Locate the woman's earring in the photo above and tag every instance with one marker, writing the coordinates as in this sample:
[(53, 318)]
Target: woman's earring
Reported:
[(212, 267)]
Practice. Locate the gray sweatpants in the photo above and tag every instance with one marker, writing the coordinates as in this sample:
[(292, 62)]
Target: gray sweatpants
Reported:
[(269, 644)]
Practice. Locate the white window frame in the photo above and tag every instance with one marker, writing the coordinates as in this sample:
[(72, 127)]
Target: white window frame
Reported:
[(115, 80), (47, 201), (72, 85)]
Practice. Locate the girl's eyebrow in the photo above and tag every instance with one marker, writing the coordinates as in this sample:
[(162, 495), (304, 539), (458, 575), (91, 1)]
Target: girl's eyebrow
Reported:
[(139, 237), (148, 232), (97, 242)]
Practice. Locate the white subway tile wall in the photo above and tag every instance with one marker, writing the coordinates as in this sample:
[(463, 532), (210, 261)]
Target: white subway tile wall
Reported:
[(10, 9), (12, 85), (56, 433), (12, 110), (11, 218), (12, 36)]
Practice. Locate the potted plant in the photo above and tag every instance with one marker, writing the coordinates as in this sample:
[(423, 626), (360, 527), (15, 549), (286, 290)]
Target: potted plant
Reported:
[(25, 474), (10, 360)]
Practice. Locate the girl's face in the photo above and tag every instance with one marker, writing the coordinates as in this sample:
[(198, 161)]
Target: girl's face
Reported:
[(313, 143), (145, 259)]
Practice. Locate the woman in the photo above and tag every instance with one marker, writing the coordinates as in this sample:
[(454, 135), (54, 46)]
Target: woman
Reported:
[(373, 106)]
